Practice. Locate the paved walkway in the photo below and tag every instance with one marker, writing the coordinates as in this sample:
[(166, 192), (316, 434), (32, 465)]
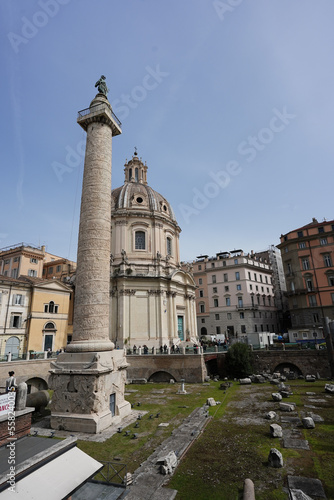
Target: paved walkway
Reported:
[(147, 480)]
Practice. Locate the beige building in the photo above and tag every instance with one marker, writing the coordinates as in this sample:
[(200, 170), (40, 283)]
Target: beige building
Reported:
[(15, 296), (235, 295), (152, 298), (22, 260)]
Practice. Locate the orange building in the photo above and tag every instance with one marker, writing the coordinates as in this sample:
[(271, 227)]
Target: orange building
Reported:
[(308, 260)]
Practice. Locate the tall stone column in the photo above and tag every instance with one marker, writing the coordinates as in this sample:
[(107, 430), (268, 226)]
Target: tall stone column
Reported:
[(92, 297), (89, 378)]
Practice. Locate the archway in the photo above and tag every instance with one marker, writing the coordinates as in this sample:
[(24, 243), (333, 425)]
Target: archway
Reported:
[(290, 370), (36, 384), (161, 377), (203, 331), (13, 346)]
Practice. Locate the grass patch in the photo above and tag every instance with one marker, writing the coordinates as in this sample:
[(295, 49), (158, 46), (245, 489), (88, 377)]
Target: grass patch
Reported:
[(234, 445)]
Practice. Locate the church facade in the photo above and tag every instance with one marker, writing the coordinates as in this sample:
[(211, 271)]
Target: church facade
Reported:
[(152, 298)]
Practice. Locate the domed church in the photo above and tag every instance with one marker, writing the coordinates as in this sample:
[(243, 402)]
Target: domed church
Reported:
[(152, 298)]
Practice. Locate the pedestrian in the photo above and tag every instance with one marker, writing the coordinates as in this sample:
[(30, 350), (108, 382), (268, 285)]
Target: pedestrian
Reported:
[(11, 382)]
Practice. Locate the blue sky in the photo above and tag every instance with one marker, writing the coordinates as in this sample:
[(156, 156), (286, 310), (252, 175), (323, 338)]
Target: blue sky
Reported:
[(230, 103)]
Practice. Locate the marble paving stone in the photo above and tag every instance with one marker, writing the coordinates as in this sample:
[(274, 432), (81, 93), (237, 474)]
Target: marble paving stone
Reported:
[(296, 444), (312, 487), (291, 420)]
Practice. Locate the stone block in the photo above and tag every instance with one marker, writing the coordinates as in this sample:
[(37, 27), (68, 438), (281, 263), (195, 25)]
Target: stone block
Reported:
[(276, 431), (287, 407), (275, 458), (276, 396), (308, 423)]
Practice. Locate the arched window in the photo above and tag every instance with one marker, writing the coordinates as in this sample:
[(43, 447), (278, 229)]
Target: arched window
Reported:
[(51, 307), (136, 174), (130, 173), (169, 246), (49, 326), (140, 240)]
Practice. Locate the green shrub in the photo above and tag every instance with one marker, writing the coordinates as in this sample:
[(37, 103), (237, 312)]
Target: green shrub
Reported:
[(239, 361)]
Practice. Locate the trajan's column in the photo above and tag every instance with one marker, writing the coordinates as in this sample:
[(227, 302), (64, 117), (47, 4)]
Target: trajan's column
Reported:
[(88, 380)]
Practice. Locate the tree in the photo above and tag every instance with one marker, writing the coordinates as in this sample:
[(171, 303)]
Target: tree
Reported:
[(239, 361)]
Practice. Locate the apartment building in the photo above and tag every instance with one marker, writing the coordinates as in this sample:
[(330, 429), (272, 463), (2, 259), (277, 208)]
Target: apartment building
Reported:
[(308, 261), (235, 294)]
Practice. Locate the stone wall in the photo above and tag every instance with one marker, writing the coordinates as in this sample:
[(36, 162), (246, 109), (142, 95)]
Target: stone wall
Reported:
[(191, 368)]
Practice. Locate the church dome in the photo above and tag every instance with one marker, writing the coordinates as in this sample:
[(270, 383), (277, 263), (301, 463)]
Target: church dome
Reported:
[(136, 195)]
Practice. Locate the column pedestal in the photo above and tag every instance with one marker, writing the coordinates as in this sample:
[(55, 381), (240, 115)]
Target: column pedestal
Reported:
[(88, 393)]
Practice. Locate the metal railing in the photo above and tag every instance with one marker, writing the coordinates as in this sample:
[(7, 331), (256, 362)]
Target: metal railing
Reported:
[(112, 473), (98, 107)]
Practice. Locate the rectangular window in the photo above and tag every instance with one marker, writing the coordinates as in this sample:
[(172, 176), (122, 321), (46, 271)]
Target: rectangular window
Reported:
[(251, 287), (242, 315), (266, 277), (243, 328), (16, 259), (228, 301), (200, 281), (140, 240), (203, 320), (18, 300), (214, 289), (332, 295), (33, 260), (235, 261), (15, 272), (200, 267), (32, 273), (240, 302), (249, 276), (226, 288), (255, 277), (15, 321), (50, 271), (255, 328), (305, 264), (229, 315), (321, 230), (289, 268), (323, 241), (217, 317), (58, 269), (309, 285), (302, 244), (237, 275), (238, 287), (327, 260), (201, 293), (261, 278), (331, 280), (202, 308), (315, 318), (217, 330), (169, 246), (212, 264), (304, 335), (225, 277), (215, 303), (214, 278), (300, 234), (312, 300)]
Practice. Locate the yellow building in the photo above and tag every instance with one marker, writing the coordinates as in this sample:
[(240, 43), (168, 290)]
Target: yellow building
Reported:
[(48, 327)]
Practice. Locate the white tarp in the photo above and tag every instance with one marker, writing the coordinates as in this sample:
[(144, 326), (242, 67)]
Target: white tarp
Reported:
[(56, 479)]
